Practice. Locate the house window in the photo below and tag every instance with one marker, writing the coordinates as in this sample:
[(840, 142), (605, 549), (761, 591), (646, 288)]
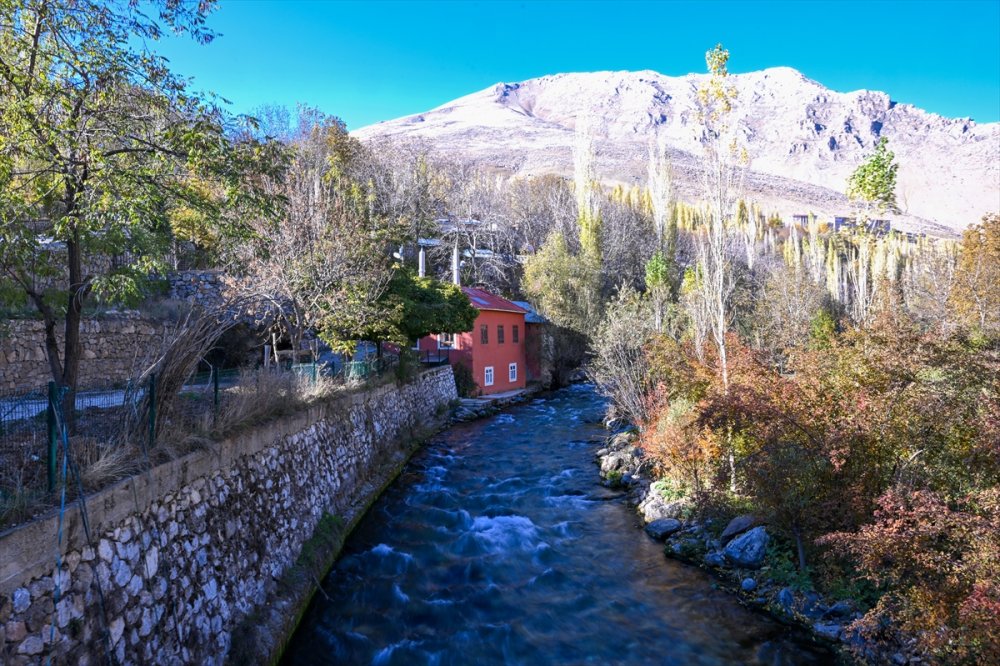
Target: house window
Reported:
[(500, 334), (416, 344), (484, 334), (514, 334), (512, 372), (446, 340), (488, 376)]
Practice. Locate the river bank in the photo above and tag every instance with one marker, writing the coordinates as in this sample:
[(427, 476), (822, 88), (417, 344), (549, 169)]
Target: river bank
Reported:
[(736, 552)]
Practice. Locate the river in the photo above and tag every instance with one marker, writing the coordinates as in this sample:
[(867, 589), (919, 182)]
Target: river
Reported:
[(497, 546)]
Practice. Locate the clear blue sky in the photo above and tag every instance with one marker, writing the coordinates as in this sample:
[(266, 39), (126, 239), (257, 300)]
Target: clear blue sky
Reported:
[(372, 61)]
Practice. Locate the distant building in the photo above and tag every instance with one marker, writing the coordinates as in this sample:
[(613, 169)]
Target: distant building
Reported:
[(538, 363), (495, 349), (843, 223), (879, 227)]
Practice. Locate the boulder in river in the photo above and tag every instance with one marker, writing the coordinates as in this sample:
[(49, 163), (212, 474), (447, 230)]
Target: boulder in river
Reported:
[(737, 526), (620, 441), (715, 559), (654, 507), (829, 631), (615, 423), (661, 528), (786, 598), (748, 549), (612, 463)]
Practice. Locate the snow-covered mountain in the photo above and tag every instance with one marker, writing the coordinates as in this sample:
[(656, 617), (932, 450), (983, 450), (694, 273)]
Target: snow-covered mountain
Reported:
[(804, 140)]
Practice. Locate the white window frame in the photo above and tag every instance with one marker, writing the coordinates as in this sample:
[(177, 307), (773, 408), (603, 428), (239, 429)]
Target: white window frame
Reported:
[(449, 344), (512, 372), (416, 345), (488, 376)]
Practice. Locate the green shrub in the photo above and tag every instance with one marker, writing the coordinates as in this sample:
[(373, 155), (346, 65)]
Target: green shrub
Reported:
[(781, 568), (614, 478), (464, 383), (409, 364)]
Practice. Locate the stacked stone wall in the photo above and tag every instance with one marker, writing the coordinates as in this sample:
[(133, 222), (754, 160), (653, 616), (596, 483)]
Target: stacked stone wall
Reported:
[(206, 288), (113, 349), (185, 553)]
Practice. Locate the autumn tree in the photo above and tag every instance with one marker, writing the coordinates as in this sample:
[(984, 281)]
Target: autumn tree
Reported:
[(556, 281), (564, 280), (783, 314), (99, 143), (724, 167), (976, 295), (661, 269), (938, 560), (619, 368)]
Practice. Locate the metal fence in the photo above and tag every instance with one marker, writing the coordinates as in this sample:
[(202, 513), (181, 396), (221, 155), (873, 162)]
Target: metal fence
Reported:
[(30, 420)]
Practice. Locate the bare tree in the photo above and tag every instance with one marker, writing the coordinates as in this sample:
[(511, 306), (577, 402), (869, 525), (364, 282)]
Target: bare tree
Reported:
[(620, 366), (330, 253), (785, 310)]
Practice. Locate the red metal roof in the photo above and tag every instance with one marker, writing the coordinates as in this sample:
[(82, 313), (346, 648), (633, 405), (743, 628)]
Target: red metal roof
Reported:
[(484, 300)]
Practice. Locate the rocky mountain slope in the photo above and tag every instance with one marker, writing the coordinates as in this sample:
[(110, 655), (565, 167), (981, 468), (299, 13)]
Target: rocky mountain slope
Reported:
[(804, 140)]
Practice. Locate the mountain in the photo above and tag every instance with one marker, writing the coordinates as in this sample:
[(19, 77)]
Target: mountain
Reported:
[(804, 140)]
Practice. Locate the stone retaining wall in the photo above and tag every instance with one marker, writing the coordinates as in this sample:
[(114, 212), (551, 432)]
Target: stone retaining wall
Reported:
[(213, 289), (112, 349), (187, 551), (206, 288)]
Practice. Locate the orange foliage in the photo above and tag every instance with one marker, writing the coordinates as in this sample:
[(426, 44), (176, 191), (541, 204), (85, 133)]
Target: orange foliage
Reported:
[(882, 447), (940, 564)]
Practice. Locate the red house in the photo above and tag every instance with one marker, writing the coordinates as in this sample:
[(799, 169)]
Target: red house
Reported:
[(495, 348)]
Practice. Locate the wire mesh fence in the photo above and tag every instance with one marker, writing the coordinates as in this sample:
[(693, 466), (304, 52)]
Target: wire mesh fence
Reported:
[(103, 420)]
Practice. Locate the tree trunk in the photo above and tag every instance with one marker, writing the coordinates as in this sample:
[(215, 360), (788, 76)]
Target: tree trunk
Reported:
[(799, 547), (76, 294)]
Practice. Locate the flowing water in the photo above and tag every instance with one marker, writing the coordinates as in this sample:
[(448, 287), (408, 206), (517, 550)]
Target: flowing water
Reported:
[(497, 546)]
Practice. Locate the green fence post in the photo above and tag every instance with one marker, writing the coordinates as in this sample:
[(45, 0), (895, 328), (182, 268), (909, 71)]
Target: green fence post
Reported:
[(53, 434), (314, 372), (152, 409), (215, 388)]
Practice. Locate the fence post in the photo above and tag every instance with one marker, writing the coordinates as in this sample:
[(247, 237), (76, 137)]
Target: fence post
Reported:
[(314, 372), (152, 409), (215, 389), (53, 434)]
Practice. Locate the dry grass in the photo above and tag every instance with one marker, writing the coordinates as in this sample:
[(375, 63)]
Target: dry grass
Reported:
[(109, 465), (20, 499), (262, 395)]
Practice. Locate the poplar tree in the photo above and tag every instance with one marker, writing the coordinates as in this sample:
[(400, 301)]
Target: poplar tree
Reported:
[(724, 167), (873, 183)]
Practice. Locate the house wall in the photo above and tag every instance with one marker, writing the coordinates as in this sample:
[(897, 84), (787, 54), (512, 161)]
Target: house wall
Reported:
[(469, 351), (533, 351), (497, 355)]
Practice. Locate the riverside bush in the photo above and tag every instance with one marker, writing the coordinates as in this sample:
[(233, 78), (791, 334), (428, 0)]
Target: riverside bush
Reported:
[(873, 458)]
